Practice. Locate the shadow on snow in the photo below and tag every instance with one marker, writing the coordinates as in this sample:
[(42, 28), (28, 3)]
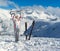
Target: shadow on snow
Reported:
[(45, 29)]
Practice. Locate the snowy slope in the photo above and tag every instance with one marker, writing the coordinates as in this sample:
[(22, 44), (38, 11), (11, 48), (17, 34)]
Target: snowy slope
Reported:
[(5, 21), (35, 44), (28, 16), (46, 31)]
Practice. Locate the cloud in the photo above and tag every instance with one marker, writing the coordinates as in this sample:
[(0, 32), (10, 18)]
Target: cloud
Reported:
[(53, 10), (12, 3), (3, 3), (6, 3)]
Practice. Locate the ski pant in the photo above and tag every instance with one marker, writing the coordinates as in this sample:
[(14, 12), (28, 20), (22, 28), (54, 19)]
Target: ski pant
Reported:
[(16, 34)]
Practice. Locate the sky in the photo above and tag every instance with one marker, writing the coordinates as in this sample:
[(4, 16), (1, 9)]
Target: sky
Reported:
[(8, 4), (37, 2)]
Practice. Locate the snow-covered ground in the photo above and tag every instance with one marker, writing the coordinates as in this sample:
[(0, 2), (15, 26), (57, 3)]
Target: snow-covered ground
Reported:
[(45, 34), (35, 44)]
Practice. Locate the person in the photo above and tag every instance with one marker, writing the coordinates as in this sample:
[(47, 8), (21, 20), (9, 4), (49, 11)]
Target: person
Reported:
[(16, 22), (17, 31)]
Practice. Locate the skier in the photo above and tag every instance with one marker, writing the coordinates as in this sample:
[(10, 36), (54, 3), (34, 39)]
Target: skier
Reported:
[(16, 22), (17, 31)]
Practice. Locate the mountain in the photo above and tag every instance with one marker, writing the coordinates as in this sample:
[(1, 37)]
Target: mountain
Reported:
[(45, 34), (45, 21)]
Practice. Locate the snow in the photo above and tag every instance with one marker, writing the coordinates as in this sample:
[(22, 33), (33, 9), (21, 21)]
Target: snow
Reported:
[(45, 34), (35, 44)]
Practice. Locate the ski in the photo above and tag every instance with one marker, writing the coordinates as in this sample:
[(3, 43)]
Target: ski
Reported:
[(31, 30)]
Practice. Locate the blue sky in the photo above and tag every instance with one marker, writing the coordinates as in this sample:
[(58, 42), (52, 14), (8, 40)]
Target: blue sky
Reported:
[(54, 3), (18, 3)]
